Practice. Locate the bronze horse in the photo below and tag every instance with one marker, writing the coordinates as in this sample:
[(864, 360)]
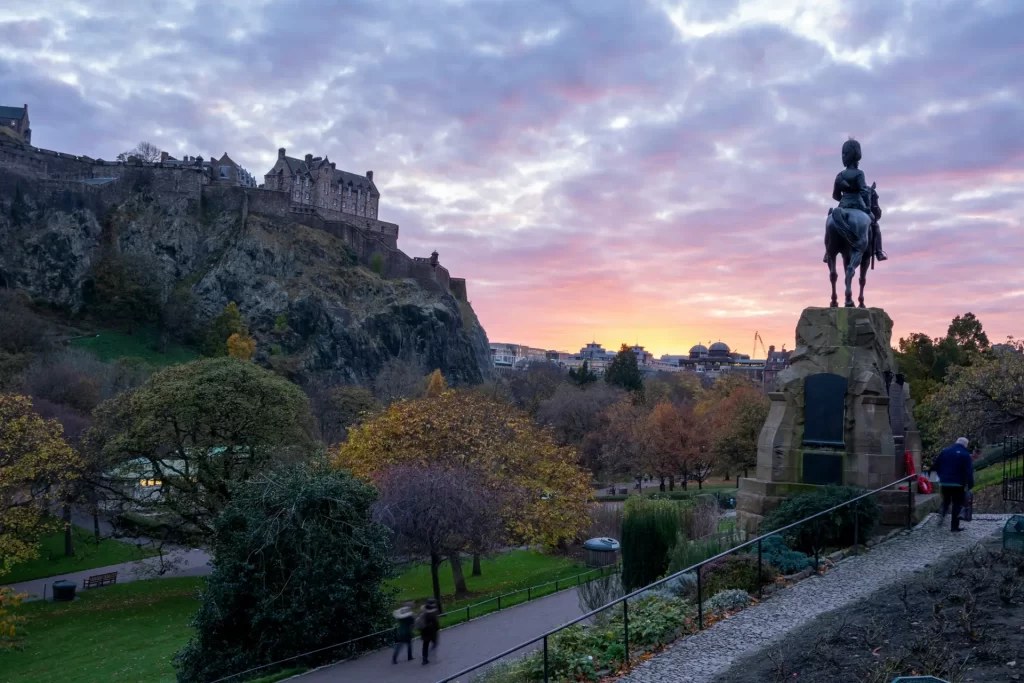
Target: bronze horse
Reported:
[(848, 232)]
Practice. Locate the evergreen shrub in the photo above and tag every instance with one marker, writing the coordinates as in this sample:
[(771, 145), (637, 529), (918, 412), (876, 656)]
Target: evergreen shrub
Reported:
[(835, 529)]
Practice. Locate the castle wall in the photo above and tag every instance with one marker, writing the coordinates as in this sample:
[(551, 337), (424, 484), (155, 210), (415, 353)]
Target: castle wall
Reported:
[(60, 180)]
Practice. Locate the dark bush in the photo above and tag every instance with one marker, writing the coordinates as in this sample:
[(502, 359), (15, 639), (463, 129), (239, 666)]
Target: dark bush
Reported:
[(835, 529), (649, 530), (298, 564), (21, 330), (734, 571)]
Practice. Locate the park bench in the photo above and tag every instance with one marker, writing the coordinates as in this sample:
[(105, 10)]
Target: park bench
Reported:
[(100, 580)]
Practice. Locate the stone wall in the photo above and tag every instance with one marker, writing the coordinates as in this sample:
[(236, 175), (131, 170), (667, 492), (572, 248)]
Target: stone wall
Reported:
[(58, 179)]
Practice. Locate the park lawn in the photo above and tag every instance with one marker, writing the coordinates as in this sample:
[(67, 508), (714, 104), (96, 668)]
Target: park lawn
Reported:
[(513, 570), (127, 632), (110, 345), (990, 476), (88, 555)]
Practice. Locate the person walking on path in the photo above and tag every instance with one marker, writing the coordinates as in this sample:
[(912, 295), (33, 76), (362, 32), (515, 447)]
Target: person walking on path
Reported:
[(956, 477), (404, 616), (428, 624)]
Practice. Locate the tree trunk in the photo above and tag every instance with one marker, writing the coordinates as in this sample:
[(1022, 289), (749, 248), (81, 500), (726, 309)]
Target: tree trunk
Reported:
[(671, 482), (476, 565), (96, 524), (684, 482), (457, 576), (700, 484), (435, 564), (69, 540), (661, 486)]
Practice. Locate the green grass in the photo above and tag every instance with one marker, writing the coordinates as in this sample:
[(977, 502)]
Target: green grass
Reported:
[(88, 555), (127, 632), (504, 573), (110, 345), (990, 476)]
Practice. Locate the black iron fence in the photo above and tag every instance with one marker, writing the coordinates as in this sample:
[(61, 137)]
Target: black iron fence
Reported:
[(386, 637), (1013, 468), (541, 642)]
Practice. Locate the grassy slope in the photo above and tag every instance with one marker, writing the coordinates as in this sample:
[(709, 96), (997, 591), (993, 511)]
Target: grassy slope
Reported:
[(88, 555), (110, 345), (129, 632), (119, 633)]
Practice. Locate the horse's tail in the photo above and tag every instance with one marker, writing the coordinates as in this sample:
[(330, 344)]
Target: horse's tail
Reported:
[(843, 226)]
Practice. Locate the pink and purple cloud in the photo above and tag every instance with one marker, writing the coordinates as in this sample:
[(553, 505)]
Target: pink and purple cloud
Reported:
[(652, 171)]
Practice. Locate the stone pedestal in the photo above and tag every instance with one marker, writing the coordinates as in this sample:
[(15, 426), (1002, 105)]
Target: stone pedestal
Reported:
[(848, 438)]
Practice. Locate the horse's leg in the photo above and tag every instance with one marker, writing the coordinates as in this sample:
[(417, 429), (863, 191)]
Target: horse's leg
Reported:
[(863, 279), (833, 276), (850, 268)]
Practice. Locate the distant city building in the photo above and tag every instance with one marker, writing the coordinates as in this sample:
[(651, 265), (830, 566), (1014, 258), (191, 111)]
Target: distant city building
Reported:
[(14, 121), (515, 356), (776, 362)]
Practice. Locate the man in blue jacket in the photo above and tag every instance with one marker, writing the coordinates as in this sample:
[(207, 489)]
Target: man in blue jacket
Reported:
[(956, 476)]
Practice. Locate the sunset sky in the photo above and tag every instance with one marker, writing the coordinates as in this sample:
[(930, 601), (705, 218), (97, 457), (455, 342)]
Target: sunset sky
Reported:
[(609, 169)]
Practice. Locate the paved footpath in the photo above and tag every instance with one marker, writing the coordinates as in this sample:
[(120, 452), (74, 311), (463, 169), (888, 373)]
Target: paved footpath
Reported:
[(460, 646), (703, 657), (183, 563)]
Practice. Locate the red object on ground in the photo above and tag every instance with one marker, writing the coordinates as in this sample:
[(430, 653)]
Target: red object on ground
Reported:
[(923, 485), (908, 460)]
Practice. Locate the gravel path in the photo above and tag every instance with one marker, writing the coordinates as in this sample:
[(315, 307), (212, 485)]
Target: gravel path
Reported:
[(703, 657)]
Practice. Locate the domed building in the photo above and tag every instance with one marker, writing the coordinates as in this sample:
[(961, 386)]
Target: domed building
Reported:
[(720, 350), (698, 351)]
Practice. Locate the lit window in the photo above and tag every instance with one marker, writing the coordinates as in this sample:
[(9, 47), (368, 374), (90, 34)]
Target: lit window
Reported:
[(150, 482)]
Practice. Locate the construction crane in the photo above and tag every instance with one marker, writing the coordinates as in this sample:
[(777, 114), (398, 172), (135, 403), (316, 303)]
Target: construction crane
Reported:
[(758, 340)]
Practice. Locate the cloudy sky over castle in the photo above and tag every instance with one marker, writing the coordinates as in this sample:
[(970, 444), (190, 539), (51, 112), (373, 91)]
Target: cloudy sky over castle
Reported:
[(594, 168)]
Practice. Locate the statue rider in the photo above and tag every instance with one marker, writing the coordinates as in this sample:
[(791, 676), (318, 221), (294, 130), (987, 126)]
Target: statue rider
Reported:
[(851, 190)]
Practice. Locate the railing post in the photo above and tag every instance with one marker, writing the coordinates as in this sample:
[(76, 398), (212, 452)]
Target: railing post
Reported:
[(467, 612), (625, 627), (545, 659), (529, 593), (817, 544), (910, 504), (556, 585), (856, 528), (499, 603), (759, 569), (700, 602)]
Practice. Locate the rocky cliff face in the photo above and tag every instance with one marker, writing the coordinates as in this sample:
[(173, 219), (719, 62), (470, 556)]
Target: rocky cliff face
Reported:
[(342, 319)]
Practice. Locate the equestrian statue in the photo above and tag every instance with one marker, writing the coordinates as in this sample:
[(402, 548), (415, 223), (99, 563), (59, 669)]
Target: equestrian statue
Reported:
[(851, 229)]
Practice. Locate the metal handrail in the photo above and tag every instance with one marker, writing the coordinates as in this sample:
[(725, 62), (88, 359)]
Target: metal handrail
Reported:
[(391, 629), (544, 636)]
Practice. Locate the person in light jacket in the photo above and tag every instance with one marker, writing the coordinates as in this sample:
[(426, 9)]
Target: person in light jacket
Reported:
[(956, 477), (404, 618)]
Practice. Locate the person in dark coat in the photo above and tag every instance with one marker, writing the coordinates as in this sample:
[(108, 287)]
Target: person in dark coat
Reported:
[(404, 618), (956, 477), (429, 623)]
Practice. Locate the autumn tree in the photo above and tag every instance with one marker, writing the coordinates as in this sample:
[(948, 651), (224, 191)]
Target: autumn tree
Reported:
[(439, 513), (436, 384), (670, 452), (242, 347), (577, 418), (464, 429), (737, 421), (624, 371), (198, 429), (144, 151), (229, 322), (36, 469), (627, 443)]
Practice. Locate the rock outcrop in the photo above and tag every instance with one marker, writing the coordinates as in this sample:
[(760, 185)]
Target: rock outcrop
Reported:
[(340, 318)]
